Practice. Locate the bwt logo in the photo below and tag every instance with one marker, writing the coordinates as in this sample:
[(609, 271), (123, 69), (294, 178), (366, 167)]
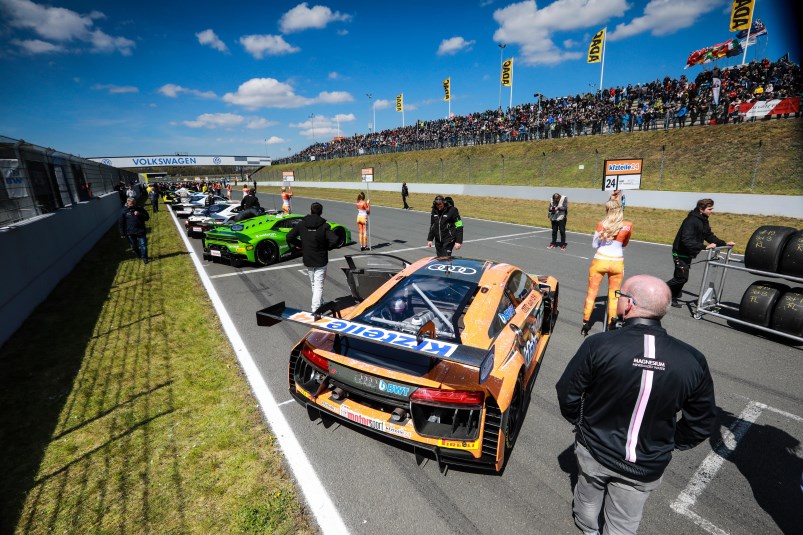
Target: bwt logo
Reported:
[(106, 161), (390, 388), (216, 160)]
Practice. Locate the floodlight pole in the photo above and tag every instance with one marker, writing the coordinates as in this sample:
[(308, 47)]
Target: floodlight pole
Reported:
[(501, 64)]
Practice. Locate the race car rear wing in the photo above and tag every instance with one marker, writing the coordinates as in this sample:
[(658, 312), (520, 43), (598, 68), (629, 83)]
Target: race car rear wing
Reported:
[(437, 349)]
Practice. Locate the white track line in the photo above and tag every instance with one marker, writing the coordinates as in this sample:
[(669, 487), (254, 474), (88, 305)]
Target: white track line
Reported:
[(711, 465), (321, 505), (394, 251)]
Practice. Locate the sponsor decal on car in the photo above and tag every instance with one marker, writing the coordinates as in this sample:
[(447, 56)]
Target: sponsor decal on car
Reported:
[(326, 405), (459, 444), (432, 347), (215, 252), (373, 423), (303, 392)]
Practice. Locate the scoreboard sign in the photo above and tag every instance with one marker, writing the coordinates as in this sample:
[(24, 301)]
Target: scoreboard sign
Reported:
[(367, 174), (288, 176), (622, 174)]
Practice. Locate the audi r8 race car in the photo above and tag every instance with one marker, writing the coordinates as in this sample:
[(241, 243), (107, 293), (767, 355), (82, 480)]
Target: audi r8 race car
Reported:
[(260, 240), (440, 355)]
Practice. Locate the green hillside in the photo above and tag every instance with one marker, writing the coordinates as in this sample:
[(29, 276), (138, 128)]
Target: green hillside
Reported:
[(762, 157)]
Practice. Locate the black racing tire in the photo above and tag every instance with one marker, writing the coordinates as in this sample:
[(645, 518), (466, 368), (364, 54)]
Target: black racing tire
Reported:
[(266, 253), (792, 258), (765, 247), (515, 415), (341, 238), (787, 316), (759, 300)]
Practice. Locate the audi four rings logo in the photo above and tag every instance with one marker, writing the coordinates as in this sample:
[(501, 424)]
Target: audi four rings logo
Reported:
[(463, 270)]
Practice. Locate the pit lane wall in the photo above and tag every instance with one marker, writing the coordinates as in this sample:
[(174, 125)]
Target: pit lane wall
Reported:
[(40, 252), (731, 203)]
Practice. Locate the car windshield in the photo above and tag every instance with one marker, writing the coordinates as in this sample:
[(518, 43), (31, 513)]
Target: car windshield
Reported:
[(419, 299)]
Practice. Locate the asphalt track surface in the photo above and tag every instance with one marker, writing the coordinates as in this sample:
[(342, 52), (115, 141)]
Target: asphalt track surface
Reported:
[(745, 481)]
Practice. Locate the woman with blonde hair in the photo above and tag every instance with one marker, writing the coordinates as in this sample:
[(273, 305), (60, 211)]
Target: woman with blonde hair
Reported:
[(287, 193), (363, 209), (612, 235)]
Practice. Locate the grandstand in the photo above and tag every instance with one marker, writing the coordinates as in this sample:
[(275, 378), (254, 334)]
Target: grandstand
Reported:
[(713, 97)]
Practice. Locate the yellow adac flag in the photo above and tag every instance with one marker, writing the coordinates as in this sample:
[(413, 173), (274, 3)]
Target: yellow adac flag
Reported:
[(741, 15), (447, 92), (400, 102), (507, 73), (595, 48)]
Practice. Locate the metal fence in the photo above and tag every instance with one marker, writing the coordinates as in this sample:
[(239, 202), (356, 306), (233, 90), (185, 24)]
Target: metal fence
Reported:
[(38, 180)]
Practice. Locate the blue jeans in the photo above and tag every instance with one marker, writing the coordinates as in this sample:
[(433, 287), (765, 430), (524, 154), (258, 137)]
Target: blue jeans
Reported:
[(139, 244)]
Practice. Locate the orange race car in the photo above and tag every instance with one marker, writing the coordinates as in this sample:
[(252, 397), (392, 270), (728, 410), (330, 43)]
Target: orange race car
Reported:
[(440, 355)]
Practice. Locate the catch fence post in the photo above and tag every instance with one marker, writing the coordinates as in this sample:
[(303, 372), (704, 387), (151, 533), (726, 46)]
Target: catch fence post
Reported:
[(469, 169), (755, 169), (596, 168), (543, 171), (503, 168), (661, 174)]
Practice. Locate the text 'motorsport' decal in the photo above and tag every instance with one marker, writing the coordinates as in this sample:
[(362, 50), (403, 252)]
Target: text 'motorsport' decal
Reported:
[(433, 347)]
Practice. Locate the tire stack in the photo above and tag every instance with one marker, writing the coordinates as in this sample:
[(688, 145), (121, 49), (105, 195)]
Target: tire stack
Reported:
[(777, 250)]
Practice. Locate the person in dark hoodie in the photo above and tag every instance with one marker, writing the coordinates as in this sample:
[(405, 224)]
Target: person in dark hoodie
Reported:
[(132, 226), (688, 244), (313, 235), (446, 227)]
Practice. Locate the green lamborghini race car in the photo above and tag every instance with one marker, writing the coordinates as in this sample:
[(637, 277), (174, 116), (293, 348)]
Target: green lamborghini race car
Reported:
[(260, 240)]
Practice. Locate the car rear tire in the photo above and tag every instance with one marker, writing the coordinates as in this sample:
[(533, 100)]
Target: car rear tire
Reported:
[(341, 238), (515, 414), (266, 253)]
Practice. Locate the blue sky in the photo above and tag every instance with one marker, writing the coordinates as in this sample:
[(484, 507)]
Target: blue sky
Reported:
[(244, 78)]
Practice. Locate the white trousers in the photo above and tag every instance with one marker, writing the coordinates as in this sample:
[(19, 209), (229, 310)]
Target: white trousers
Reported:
[(316, 278)]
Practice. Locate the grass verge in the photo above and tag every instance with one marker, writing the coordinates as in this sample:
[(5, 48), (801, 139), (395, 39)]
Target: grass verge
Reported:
[(649, 224), (123, 409)]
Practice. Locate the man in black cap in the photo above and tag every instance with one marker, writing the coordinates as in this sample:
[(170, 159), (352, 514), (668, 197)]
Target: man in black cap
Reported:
[(446, 227)]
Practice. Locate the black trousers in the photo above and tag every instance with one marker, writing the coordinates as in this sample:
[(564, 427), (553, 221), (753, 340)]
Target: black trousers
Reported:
[(559, 225), (404, 200), (444, 248), (679, 278)]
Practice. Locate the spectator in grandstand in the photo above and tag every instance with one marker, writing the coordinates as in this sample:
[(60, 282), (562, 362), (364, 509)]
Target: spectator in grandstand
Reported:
[(689, 242), (558, 210), (610, 238), (132, 226)]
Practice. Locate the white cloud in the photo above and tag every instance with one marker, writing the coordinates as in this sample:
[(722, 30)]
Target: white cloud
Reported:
[(453, 45), (342, 32), (324, 127), (570, 43), (271, 93), (115, 89), (663, 17), (228, 120), (62, 26), (302, 18), (274, 140), (271, 45), (173, 90), (382, 104), (532, 29), (209, 37), (37, 46), (334, 76)]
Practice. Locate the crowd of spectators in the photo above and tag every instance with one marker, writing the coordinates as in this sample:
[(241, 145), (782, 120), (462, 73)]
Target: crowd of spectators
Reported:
[(667, 103)]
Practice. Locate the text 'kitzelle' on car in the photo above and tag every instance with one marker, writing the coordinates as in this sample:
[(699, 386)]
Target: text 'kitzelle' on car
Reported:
[(440, 355), (260, 240)]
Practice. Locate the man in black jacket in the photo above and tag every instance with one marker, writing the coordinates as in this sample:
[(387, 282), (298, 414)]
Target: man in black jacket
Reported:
[(688, 244), (132, 226), (446, 227), (622, 390), (249, 206), (315, 238)]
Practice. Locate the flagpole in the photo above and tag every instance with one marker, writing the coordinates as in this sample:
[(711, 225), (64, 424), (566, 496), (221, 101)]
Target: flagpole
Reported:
[(747, 40), (602, 67), (511, 83)]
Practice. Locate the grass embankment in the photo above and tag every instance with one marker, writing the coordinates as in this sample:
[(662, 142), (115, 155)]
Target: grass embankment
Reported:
[(123, 409), (721, 158), (649, 224)]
